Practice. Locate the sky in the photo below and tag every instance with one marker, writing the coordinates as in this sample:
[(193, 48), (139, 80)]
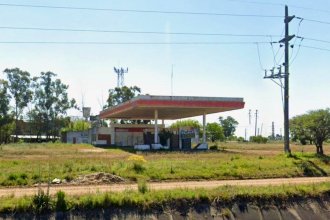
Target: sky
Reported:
[(232, 69)]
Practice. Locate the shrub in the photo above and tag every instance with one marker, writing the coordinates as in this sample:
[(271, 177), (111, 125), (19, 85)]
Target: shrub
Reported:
[(61, 204), (240, 139), (12, 177), (214, 147), (258, 139), (142, 186), (138, 162), (23, 176), (41, 202)]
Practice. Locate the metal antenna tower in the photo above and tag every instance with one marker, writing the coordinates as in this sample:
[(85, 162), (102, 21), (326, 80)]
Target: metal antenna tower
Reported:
[(120, 75)]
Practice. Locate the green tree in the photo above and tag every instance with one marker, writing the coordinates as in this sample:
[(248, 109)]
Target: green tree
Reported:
[(229, 125), (79, 125), (122, 94), (19, 85), (6, 124), (186, 123), (315, 123), (299, 131), (51, 101), (214, 132)]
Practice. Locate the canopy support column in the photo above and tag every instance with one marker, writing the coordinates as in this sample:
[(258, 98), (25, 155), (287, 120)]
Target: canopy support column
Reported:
[(156, 127), (204, 128)]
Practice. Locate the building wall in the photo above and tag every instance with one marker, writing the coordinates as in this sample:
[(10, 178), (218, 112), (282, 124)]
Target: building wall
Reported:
[(78, 137)]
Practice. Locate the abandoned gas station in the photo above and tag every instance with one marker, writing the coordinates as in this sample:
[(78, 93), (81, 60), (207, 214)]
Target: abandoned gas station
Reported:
[(158, 109)]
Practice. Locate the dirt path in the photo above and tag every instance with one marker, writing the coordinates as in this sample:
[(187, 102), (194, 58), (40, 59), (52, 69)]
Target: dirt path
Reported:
[(86, 189)]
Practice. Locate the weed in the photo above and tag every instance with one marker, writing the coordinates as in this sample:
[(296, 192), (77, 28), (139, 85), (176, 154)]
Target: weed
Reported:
[(172, 170), (93, 168), (23, 176), (214, 147), (61, 204), (12, 177), (138, 162), (142, 186), (68, 178), (41, 202), (35, 177)]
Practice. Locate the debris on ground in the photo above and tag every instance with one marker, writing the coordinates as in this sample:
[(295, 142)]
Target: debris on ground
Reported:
[(56, 181), (97, 178)]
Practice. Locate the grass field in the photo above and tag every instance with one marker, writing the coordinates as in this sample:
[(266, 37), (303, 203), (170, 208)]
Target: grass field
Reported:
[(28, 164), (225, 195)]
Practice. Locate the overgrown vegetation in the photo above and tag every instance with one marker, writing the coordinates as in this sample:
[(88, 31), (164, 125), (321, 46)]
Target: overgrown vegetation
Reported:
[(27, 164), (147, 199)]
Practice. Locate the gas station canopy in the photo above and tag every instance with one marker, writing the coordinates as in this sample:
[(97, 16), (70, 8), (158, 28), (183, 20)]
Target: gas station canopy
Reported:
[(170, 107)]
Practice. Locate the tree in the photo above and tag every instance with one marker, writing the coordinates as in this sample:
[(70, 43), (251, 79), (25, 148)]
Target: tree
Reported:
[(51, 102), (79, 125), (186, 123), (299, 131), (6, 124), (122, 94), (20, 89), (316, 124), (214, 132), (229, 126)]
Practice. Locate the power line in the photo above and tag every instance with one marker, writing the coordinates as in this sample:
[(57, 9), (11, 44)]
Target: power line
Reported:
[(316, 48), (260, 63), (299, 47), (134, 32), (139, 11), (295, 40), (280, 5), (315, 21), (133, 43), (314, 39)]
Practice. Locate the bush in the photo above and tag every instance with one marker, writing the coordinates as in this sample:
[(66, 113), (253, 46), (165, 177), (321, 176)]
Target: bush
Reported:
[(258, 139), (214, 147), (240, 139), (142, 186), (138, 162), (41, 202), (61, 204), (12, 177)]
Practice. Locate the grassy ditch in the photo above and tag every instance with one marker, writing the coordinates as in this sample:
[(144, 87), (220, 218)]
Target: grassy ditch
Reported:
[(145, 200), (28, 164)]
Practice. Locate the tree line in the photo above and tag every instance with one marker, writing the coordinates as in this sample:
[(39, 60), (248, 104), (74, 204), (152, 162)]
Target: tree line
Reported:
[(42, 100), (215, 131)]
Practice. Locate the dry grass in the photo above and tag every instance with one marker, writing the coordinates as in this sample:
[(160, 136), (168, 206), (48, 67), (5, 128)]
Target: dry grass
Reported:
[(27, 164)]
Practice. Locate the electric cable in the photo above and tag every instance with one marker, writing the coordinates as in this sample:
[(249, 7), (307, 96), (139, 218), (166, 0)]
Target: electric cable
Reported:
[(139, 11)]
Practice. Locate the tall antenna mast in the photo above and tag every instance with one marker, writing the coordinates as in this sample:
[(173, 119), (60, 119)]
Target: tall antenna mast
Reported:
[(120, 75), (172, 81)]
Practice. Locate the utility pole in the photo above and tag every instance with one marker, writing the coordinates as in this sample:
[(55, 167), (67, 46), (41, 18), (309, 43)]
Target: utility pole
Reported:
[(249, 116), (279, 75), (286, 80), (273, 130), (256, 123)]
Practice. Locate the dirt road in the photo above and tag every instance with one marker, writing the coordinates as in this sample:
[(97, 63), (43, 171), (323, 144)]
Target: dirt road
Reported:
[(86, 189)]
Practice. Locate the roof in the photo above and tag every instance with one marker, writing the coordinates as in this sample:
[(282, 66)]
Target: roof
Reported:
[(171, 107)]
